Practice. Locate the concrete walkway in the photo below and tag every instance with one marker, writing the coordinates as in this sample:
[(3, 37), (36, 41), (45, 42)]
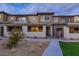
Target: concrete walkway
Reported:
[(69, 40), (53, 49)]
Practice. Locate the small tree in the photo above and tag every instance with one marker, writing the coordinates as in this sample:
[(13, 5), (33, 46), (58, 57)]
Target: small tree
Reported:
[(14, 37)]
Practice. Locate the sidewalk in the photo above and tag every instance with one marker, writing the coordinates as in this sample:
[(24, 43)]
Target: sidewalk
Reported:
[(68, 40), (53, 49)]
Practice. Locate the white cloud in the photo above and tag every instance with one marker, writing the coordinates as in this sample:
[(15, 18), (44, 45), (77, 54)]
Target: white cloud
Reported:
[(59, 8)]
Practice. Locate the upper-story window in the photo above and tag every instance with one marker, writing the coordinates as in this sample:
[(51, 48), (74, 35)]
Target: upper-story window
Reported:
[(76, 19), (0, 18), (22, 19), (60, 19), (63, 19), (45, 18), (11, 19), (32, 19), (71, 19)]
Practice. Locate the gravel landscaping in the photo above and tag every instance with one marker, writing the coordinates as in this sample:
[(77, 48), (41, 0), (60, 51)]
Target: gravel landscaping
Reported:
[(24, 48)]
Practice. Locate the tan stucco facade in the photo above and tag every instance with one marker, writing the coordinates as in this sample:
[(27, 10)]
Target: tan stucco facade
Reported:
[(57, 24)]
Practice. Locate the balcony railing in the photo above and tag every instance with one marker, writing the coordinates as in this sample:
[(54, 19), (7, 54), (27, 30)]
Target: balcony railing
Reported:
[(73, 23), (18, 22), (60, 22), (4, 22)]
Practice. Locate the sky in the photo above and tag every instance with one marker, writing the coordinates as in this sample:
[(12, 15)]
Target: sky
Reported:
[(30, 8)]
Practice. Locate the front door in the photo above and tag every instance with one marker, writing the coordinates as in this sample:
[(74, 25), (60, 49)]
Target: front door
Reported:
[(1, 31), (59, 32), (48, 31)]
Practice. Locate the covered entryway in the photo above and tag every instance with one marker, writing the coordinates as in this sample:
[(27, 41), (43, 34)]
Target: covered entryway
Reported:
[(48, 31), (1, 31), (58, 31)]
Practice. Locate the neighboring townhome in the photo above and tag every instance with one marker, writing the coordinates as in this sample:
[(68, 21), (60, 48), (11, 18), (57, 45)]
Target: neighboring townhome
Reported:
[(40, 25)]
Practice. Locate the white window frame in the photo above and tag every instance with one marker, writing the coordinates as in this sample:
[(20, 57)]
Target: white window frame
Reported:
[(11, 18), (22, 19), (43, 18)]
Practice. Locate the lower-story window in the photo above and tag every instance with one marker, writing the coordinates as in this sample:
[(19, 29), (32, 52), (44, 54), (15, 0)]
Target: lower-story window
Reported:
[(35, 28), (74, 30), (9, 28)]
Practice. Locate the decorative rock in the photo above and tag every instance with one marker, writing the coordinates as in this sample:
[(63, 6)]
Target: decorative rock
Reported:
[(13, 50), (32, 49), (28, 45), (40, 45), (0, 45), (44, 43)]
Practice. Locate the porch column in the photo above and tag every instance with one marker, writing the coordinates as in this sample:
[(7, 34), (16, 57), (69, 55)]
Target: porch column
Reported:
[(54, 31), (5, 31), (0, 30), (24, 29), (44, 30), (66, 32)]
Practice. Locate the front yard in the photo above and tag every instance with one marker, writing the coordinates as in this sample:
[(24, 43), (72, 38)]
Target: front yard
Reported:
[(24, 48), (70, 48)]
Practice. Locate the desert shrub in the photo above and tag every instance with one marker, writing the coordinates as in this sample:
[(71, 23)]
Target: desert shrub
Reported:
[(14, 37), (72, 38)]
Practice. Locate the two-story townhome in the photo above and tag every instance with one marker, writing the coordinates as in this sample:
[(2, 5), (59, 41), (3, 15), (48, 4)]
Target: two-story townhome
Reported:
[(32, 25), (42, 24)]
